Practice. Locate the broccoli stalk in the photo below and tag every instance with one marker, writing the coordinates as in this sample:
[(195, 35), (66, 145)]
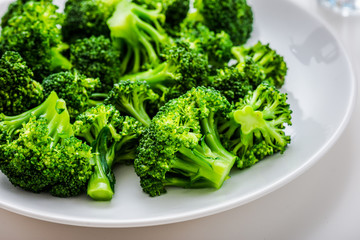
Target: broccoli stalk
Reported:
[(137, 32), (182, 147), (255, 128)]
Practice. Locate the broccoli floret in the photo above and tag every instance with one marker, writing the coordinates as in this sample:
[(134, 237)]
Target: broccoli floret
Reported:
[(41, 153), (182, 148), (75, 88), (217, 46), (138, 34), (255, 128), (175, 10), (19, 92), (96, 57), (87, 18), (114, 139), (263, 58), (235, 17), (133, 98), (33, 31), (182, 69)]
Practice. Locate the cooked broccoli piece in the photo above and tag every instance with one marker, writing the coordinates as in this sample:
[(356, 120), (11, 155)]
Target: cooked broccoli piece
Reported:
[(182, 148), (114, 139), (41, 153), (182, 69), (263, 58), (255, 128), (138, 34), (19, 92), (235, 17), (33, 31), (96, 57), (133, 98), (75, 88), (87, 18), (175, 10), (217, 46)]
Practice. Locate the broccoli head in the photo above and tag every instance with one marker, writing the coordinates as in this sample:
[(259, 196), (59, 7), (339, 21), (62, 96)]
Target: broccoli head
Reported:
[(75, 88), (181, 146), (42, 154), (86, 18), (235, 17), (19, 92), (113, 138), (33, 31), (254, 129), (261, 57), (133, 98), (137, 32), (96, 57)]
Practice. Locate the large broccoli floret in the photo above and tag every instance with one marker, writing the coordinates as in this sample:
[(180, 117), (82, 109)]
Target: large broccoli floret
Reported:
[(182, 148), (235, 17), (133, 98), (114, 139), (41, 153), (137, 32), (263, 58), (182, 69), (255, 128), (19, 92), (217, 46), (33, 31), (75, 88), (87, 18), (175, 10), (96, 57)]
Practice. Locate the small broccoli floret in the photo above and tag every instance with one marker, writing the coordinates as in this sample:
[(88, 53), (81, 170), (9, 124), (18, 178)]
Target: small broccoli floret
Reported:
[(255, 128), (96, 57), (138, 34), (75, 88), (33, 31), (133, 98), (114, 139), (41, 154), (235, 17), (262, 57), (175, 11), (217, 46), (87, 18), (182, 69), (181, 147), (19, 92)]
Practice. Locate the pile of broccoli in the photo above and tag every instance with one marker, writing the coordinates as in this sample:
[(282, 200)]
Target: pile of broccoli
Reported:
[(169, 87)]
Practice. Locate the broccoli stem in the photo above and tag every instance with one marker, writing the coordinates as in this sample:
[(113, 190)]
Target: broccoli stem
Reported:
[(101, 183)]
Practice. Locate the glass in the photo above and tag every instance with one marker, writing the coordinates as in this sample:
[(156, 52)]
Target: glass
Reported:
[(343, 7)]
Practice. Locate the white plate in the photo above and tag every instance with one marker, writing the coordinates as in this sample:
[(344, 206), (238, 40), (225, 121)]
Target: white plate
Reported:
[(321, 89)]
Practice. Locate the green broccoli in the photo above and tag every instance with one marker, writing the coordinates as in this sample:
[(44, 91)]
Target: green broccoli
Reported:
[(96, 57), (254, 129), (33, 31), (41, 153), (87, 18), (19, 92), (263, 58), (137, 32), (182, 148), (182, 69), (133, 98), (235, 17), (114, 139), (75, 88)]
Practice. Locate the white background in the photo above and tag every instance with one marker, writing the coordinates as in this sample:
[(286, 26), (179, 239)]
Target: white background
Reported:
[(323, 203)]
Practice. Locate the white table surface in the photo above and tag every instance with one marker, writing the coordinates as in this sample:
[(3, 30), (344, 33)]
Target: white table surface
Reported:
[(323, 203)]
